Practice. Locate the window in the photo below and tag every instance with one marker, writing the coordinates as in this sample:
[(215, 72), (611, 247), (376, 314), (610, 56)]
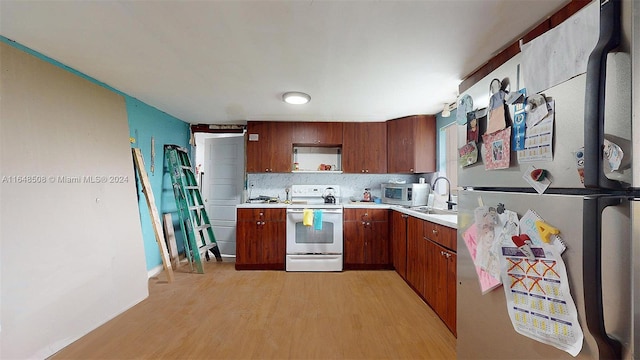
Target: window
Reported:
[(451, 155), (448, 158)]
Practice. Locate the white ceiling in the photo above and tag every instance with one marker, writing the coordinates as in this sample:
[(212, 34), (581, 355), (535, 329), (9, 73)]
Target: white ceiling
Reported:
[(225, 62)]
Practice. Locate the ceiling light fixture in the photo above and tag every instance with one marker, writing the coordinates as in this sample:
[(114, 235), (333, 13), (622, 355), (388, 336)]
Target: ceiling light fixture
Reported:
[(296, 98), (445, 111)]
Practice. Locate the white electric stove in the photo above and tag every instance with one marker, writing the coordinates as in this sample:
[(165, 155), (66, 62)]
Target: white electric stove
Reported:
[(315, 245)]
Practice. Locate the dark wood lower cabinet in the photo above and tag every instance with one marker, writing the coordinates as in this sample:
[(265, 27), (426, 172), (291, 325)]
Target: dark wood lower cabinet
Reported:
[(366, 239), (261, 239), (398, 233), (440, 282), (416, 253), (431, 267)]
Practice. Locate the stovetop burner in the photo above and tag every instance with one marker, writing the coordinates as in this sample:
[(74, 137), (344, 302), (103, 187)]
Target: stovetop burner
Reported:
[(316, 196)]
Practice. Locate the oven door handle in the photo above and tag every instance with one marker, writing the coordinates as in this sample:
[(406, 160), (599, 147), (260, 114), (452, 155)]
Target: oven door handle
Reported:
[(328, 211)]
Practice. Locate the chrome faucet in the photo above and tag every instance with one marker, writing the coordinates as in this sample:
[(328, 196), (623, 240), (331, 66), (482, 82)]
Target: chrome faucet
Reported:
[(450, 203)]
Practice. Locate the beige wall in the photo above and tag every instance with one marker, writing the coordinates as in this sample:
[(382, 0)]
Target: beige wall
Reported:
[(71, 254)]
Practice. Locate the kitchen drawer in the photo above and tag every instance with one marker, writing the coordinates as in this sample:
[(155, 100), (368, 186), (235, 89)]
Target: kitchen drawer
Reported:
[(442, 235), (361, 214), (254, 214)]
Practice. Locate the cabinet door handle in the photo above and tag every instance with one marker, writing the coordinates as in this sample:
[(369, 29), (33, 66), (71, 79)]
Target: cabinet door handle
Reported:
[(404, 216), (411, 170), (434, 231)]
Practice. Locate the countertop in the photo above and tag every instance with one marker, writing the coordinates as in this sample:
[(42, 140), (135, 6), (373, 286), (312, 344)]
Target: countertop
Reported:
[(449, 220), (261, 205)]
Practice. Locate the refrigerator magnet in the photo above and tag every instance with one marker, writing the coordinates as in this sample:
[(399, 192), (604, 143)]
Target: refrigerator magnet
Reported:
[(473, 130), (497, 120), (539, 179), (465, 106), (497, 149), (468, 154), (519, 122)]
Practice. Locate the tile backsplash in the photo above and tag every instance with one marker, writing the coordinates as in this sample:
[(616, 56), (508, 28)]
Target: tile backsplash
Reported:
[(274, 185)]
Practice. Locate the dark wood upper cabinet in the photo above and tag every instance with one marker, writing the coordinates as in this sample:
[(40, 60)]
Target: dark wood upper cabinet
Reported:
[(317, 133), (411, 145), (364, 147), (401, 146), (269, 147)]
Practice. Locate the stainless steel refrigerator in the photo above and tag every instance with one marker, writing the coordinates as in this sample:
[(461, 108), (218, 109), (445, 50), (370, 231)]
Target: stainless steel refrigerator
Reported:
[(599, 219)]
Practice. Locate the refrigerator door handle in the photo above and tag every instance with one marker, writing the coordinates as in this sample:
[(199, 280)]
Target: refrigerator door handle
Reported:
[(608, 347), (595, 97)]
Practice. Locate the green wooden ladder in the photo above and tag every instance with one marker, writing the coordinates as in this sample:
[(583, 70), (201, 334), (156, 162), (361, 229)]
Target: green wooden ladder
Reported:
[(194, 221)]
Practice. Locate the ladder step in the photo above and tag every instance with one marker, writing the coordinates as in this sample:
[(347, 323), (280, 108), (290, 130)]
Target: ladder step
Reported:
[(192, 188), (196, 207), (176, 147), (202, 227), (207, 247)]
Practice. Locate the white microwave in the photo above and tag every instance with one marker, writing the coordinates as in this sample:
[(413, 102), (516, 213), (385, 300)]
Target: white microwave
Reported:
[(405, 194)]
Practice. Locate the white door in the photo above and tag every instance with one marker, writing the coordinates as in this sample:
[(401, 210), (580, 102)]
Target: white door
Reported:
[(222, 184)]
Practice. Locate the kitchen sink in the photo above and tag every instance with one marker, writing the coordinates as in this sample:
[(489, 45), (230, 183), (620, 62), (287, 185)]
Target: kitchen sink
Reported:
[(434, 211)]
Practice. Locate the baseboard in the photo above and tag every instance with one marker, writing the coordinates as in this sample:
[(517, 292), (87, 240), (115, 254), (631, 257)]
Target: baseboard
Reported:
[(158, 269), (155, 271)]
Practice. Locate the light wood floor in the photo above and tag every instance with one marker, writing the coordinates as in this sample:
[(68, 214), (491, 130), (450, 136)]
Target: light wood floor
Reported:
[(229, 314)]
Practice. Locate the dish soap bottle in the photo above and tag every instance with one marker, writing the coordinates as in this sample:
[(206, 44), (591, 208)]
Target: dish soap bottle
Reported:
[(367, 195)]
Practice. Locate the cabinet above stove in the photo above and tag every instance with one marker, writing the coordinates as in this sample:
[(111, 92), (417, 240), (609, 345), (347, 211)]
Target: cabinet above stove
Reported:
[(317, 159)]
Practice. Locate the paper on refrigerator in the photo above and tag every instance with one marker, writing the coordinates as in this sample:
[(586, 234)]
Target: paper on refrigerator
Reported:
[(538, 297), (538, 139), (487, 282), (561, 53), (528, 226), (490, 244), (484, 240)]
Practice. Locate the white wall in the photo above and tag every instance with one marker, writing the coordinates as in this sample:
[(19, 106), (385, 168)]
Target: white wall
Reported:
[(71, 254)]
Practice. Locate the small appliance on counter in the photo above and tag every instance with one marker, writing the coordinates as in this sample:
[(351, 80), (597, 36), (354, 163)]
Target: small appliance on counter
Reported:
[(329, 195), (366, 197), (405, 194)]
